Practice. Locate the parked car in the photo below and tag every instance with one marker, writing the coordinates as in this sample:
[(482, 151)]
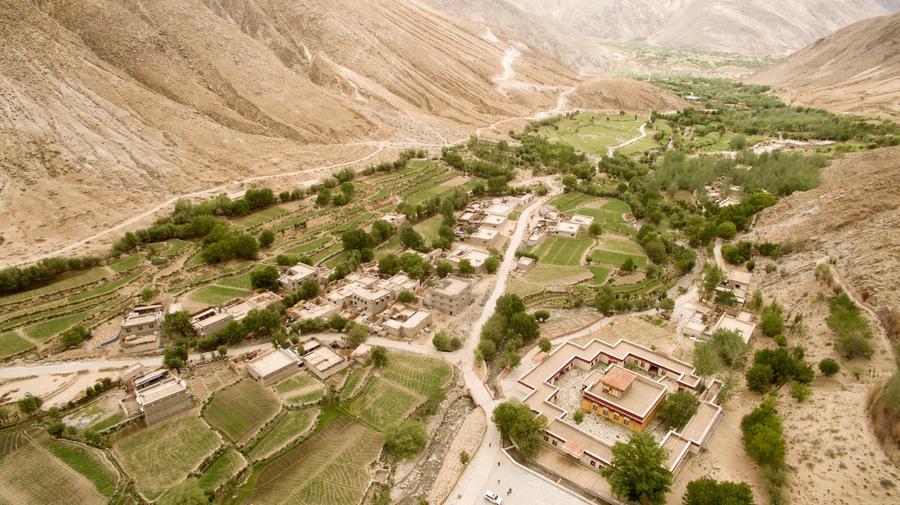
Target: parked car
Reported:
[(493, 497)]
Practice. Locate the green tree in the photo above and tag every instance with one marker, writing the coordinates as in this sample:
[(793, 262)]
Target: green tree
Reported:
[(147, 293), (762, 436), (738, 142), (829, 367), (770, 320), (73, 337), (542, 315), (628, 265), (712, 277), (411, 239), (711, 492), (324, 197), (525, 326), (677, 410), (605, 301), (638, 471), (544, 345), (177, 325), (509, 304), (222, 350), (356, 239), (266, 238), (356, 334), (517, 422), (488, 349), (406, 297), (389, 265), (466, 268), (578, 416), (726, 230), (595, 229), (760, 378), (441, 341), (261, 322), (264, 278), (405, 440), (443, 269), (800, 392), (491, 264), (30, 405), (174, 356), (379, 356)]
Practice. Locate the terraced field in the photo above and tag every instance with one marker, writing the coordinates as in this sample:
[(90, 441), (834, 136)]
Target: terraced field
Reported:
[(422, 375), (563, 251), (353, 383), (225, 466), (571, 200), (287, 427), (46, 329), (217, 295), (300, 384), (382, 403), (238, 411), (331, 468), (162, 455), (11, 343), (83, 460)]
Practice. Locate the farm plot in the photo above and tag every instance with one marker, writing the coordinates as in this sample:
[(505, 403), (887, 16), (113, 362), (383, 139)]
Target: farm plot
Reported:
[(571, 200), (382, 403), (238, 411), (423, 375), (126, 264), (298, 385), (66, 283), (287, 427), (310, 246), (32, 475), (217, 295), (563, 251), (11, 440), (594, 133), (162, 455), (86, 461), (331, 468), (352, 384), (223, 468), (11, 343), (103, 289), (46, 329), (257, 218)]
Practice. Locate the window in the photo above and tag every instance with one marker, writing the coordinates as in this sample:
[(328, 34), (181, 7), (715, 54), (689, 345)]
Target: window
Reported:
[(593, 463), (554, 442), (546, 438), (606, 412), (626, 420)]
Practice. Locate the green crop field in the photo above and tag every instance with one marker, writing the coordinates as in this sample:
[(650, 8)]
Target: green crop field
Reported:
[(622, 245), (103, 289), (11, 343), (83, 460), (260, 217), (175, 247), (217, 295), (298, 382), (238, 411), (601, 274), (306, 398), (126, 264), (240, 282), (287, 427), (352, 384), (617, 206), (46, 329), (225, 466), (71, 281), (613, 258), (331, 468), (162, 455), (562, 251), (594, 133), (382, 403), (310, 246), (571, 200), (31, 475), (417, 373)]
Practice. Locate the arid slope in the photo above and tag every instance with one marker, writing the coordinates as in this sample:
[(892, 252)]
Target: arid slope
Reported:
[(856, 69)]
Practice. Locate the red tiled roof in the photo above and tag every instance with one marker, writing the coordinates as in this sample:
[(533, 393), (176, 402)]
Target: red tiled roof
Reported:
[(619, 378)]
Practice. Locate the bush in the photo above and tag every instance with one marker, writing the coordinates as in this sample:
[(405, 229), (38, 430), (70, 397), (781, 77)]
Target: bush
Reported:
[(542, 315), (829, 367), (264, 278), (441, 341), (544, 345), (710, 492), (770, 320), (266, 237), (464, 457), (405, 440), (578, 416), (518, 423), (800, 392), (73, 337), (761, 434), (406, 297)]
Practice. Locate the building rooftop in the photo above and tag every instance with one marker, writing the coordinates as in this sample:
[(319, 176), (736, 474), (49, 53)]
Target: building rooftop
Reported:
[(239, 310), (484, 234), (619, 378), (322, 358), (272, 361), (639, 395), (744, 328), (451, 287), (300, 271), (493, 220), (740, 277), (499, 209), (134, 319), (582, 220), (371, 295), (169, 387), (567, 227)]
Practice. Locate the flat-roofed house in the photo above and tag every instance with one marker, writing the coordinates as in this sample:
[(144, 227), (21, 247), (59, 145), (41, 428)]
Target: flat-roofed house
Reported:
[(163, 400), (565, 229), (142, 320), (623, 396), (485, 237), (583, 222), (743, 325), (398, 283), (450, 295), (323, 362), (499, 209), (260, 301), (312, 309), (370, 301), (395, 219), (476, 256), (273, 366), (209, 321), (524, 264), (492, 221), (407, 323), (293, 278), (740, 280)]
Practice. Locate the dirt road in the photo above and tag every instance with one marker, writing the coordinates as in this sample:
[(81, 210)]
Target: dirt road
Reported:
[(643, 133)]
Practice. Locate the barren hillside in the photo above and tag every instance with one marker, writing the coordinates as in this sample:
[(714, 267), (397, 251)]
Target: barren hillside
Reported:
[(744, 26), (855, 213), (113, 106), (856, 69)]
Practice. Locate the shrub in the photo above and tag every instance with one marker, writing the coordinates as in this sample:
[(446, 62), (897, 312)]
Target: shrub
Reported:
[(518, 423), (464, 457), (406, 297), (266, 237), (73, 337), (710, 492), (264, 278), (800, 392), (829, 367), (441, 341), (638, 471), (770, 320), (405, 440), (678, 409), (578, 416), (544, 345)]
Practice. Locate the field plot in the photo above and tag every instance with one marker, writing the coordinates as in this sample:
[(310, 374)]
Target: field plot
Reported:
[(11, 343), (103, 289), (238, 411), (226, 466), (594, 133), (289, 426), (260, 217), (126, 264), (32, 475), (310, 246), (86, 461), (571, 200), (353, 383), (382, 403), (217, 295), (68, 282), (331, 468), (616, 258), (563, 251), (601, 274), (423, 375), (11, 440), (300, 384), (46, 329), (162, 455)]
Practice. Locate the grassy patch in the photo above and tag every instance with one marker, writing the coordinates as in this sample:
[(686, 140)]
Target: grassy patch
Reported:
[(70, 281), (239, 282), (29, 474), (425, 376), (46, 329), (290, 425), (298, 382), (162, 455), (616, 206), (571, 201), (382, 404), (601, 274), (353, 383), (562, 251), (613, 258), (103, 289), (310, 246), (11, 343), (307, 398), (594, 133), (226, 466), (429, 228), (239, 410), (84, 461), (175, 247), (258, 218), (217, 295), (126, 264)]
